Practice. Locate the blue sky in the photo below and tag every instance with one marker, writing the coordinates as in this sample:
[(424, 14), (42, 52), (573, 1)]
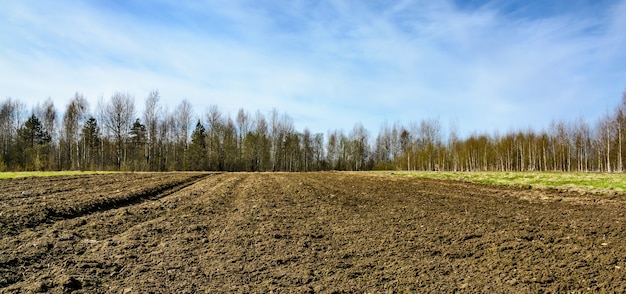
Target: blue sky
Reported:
[(487, 65)]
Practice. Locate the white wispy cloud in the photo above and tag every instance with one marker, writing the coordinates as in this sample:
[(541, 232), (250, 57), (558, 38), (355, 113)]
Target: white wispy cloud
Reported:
[(328, 64)]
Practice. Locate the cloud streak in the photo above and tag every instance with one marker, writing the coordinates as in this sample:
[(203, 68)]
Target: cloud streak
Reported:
[(328, 64)]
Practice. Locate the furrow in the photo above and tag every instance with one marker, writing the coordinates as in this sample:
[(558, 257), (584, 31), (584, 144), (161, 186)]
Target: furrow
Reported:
[(12, 225)]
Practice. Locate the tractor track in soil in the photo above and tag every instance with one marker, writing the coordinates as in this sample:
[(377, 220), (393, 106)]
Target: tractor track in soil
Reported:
[(309, 232), (81, 197)]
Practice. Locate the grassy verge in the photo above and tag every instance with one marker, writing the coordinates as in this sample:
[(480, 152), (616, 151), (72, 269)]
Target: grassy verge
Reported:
[(11, 175), (587, 182)]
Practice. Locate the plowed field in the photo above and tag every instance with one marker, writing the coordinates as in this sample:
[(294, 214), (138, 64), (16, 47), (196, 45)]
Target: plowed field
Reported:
[(303, 233)]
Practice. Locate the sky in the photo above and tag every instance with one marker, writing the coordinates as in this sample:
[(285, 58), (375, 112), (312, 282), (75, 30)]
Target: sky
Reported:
[(484, 66)]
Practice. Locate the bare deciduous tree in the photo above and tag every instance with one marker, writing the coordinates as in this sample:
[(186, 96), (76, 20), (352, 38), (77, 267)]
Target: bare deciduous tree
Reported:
[(72, 120), (151, 115), (116, 117)]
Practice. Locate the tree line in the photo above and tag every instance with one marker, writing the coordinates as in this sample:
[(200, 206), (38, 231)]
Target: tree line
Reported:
[(116, 137)]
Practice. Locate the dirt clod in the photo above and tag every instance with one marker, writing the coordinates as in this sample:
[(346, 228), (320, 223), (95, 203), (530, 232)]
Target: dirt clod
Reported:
[(70, 284)]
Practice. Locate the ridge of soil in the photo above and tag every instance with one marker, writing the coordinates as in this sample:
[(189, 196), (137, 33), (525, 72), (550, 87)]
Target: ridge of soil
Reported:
[(39, 203), (306, 232)]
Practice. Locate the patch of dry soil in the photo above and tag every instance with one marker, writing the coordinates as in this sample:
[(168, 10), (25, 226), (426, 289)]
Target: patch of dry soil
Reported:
[(305, 232)]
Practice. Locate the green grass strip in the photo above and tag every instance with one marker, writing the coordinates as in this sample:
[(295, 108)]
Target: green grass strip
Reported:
[(12, 175), (590, 182)]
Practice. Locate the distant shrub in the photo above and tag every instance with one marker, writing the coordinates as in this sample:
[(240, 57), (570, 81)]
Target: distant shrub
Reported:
[(383, 166), (3, 166)]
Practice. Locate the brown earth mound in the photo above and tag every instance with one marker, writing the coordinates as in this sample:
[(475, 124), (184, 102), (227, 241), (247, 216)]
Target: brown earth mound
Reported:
[(303, 232)]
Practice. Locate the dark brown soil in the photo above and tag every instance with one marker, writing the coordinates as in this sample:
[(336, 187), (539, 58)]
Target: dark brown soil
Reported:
[(304, 232)]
